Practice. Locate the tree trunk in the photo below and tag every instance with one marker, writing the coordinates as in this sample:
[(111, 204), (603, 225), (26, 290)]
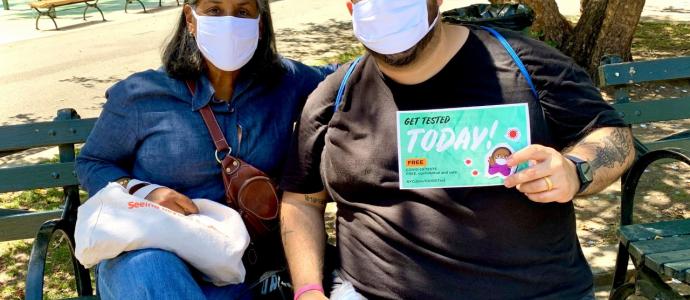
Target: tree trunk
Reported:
[(580, 44), (552, 27), (617, 31), (606, 27)]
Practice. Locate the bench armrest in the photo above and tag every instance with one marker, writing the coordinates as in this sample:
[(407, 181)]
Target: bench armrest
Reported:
[(629, 187), (636, 170), (36, 273)]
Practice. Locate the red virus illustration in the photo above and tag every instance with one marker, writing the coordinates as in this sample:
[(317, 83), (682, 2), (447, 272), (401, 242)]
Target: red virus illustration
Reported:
[(475, 173), (513, 134), (468, 162)]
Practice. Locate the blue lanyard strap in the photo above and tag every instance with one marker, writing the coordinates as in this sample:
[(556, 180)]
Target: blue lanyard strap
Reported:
[(343, 83), (515, 57)]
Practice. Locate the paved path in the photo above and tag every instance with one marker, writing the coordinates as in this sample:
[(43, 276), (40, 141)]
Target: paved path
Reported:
[(42, 71), (73, 67)]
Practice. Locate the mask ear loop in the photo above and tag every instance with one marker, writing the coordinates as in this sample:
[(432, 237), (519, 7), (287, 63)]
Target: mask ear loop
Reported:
[(438, 15)]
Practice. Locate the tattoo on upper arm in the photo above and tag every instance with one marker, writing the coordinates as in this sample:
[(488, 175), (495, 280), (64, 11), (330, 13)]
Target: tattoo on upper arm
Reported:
[(611, 150), (314, 200)]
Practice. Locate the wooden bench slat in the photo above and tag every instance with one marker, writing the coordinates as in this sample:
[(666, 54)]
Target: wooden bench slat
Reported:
[(26, 136), (640, 249), (9, 212), (682, 144), (42, 176), (24, 226), (654, 110), (677, 270), (641, 232), (656, 261), (54, 3), (644, 71)]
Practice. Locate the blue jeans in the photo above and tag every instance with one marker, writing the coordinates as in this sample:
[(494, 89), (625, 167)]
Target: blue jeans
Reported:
[(158, 274)]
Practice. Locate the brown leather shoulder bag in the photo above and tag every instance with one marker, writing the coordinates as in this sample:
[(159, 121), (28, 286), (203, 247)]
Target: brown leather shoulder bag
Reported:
[(255, 197)]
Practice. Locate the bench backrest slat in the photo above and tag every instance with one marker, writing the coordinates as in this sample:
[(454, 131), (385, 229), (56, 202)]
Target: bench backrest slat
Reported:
[(654, 110), (41, 176), (680, 144), (644, 71), (26, 136), (24, 226)]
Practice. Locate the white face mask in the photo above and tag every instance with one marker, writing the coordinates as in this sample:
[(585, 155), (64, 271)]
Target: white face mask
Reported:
[(390, 26), (227, 42), (501, 161)]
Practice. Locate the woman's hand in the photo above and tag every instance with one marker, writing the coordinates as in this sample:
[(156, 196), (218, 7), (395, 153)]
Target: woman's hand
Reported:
[(552, 177), (173, 200)]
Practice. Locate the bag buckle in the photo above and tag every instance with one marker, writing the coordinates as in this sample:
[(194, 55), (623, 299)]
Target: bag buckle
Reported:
[(218, 158)]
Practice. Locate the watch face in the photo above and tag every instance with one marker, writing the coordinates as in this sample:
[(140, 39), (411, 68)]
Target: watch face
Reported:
[(586, 170)]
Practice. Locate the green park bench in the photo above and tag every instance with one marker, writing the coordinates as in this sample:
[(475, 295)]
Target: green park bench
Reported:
[(50, 5), (66, 131), (659, 251)]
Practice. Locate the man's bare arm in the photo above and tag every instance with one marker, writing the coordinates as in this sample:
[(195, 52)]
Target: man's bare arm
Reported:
[(609, 150), (553, 178), (303, 232)]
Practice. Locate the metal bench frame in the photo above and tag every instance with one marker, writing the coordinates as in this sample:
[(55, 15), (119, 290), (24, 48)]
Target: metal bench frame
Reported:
[(66, 131), (649, 279), (51, 11), (614, 72), (128, 2)]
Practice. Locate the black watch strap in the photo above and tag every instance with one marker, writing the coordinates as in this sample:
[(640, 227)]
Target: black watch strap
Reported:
[(584, 172)]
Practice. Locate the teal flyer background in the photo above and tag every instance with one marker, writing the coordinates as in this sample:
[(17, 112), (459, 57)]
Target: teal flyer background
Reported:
[(460, 147)]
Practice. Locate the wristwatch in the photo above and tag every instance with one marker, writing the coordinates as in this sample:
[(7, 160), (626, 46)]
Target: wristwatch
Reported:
[(584, 172)]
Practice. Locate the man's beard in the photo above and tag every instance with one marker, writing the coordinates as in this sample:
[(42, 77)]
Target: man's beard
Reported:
[(406, 57)]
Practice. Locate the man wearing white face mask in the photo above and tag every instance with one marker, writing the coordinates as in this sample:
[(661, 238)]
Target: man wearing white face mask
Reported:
[(516, 241)]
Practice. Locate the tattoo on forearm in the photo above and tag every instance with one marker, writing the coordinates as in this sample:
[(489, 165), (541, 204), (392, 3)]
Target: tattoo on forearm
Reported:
[(611, 150), (314, 200)]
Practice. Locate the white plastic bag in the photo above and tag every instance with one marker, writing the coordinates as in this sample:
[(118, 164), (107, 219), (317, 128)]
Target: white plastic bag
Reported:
[(112, 222)]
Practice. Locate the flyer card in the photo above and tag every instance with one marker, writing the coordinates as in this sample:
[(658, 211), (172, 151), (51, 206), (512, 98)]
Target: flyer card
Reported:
[(460, 147)]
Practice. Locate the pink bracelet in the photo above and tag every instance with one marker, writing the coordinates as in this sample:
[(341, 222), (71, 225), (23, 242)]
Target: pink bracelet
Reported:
[(307, 288)]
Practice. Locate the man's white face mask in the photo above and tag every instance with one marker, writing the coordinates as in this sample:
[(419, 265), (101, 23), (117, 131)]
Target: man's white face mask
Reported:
[(391, 26), (227, 42)]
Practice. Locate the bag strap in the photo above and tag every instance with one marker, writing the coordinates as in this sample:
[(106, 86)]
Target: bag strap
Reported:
[(343, 83), (211, 122), (515, 58)]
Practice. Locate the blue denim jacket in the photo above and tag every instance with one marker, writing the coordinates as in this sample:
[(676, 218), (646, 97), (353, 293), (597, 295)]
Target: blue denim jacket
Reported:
[(150, 129)]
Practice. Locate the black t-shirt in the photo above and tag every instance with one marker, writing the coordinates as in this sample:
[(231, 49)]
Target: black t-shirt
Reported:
[(454, 243)]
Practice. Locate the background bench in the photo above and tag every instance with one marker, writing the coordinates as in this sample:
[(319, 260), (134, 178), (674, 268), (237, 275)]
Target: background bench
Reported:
[(50, 5), (660, 251), (67, 129), (128, 2)]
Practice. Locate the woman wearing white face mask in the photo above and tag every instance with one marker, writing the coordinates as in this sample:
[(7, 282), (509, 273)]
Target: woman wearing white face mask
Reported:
[(151, 131)]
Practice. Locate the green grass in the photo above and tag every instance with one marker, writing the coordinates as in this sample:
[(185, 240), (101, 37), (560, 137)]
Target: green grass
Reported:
[(345, 57), (657, 40)]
